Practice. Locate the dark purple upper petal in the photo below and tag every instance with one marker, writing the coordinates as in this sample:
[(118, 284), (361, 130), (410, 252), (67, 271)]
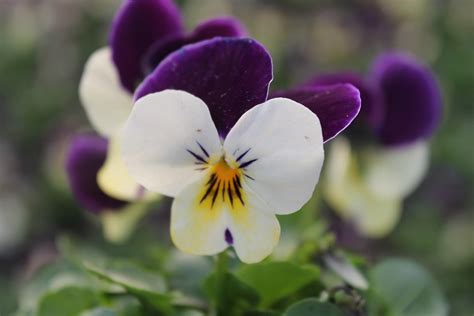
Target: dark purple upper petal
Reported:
[(372, 109), (413, 102), (216, 27), (137, 25), (230, 75), (335, 105), (85, 157)]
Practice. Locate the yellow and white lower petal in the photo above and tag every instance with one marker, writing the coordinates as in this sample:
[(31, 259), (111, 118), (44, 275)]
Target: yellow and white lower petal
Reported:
[(279, 145), (348, 194), (218, 212), (106, 102), (195, 227), (254, 233), (396, 172), (168, 141)]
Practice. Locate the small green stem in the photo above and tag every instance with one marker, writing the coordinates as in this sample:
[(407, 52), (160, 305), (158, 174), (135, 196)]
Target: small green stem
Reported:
[(222, 264)]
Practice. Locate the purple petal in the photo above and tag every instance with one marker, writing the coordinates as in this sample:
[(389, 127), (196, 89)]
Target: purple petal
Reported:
[(413, 103), (225, 26), (372, 109), (137, 25), (86, 156), (230, 75), (335, 105), (217, 27)]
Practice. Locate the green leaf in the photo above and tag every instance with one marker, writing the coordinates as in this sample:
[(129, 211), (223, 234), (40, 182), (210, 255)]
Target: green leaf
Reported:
[(148, 286), (276, 280), (126, 305), (67, 301), (53, 277), (234, 296), (403, 288), (313, 307), (342, 267)]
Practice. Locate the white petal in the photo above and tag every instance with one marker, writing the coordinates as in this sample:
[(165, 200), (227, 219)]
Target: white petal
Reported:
[(114, 179), (255, 233), (159, 135), (396, 172), (107, 104), (376, 217), (286, 139), (195, 228), (348, 195)]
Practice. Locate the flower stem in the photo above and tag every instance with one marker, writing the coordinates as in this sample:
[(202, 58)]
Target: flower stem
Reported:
[(222, 264)]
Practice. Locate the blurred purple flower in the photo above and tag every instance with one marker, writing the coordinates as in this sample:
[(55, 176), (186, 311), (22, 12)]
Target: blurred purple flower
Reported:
[(85, 157), (411, 96), (401, 99), (146, 31)]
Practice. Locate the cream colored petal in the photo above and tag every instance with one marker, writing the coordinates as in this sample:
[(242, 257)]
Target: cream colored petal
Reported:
[(255, 233), (196, 228), (396, 172), (347, 193), (107, 104), (114, 178)]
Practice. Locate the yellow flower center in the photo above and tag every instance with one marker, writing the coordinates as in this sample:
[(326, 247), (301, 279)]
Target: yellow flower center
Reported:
[(223, 186)]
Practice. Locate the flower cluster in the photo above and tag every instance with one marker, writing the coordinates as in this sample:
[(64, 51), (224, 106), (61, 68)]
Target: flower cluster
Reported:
[(190, 116), (142, 34)]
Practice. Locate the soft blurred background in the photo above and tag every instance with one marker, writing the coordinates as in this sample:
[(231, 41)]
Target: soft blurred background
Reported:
[(45, 43)]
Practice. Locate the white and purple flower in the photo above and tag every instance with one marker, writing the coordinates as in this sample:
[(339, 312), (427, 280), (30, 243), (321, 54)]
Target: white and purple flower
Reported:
[(204, 132), (143, 33), (366, 182)]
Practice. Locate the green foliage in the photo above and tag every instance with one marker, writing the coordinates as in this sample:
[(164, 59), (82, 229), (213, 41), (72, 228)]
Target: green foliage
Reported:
[(403, 288), (313, 307), (51, 279), (275, 280), (148, 286), (69, 300)]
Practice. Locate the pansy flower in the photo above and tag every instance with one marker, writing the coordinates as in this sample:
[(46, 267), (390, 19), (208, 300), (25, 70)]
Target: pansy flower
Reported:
[(401, 106), (202, 131), (142, 34)]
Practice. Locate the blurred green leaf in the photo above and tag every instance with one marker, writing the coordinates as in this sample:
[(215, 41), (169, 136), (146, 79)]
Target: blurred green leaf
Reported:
[(126, 306), (188, 313), (344, 268), (276, 280), (53, 277), (313, 307), (148, 286), (188, 272), (101, 311), (67, 301), (403, 288)]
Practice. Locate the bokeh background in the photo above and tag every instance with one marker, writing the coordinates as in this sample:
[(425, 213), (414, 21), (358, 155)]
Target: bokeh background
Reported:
[(45, 43)]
